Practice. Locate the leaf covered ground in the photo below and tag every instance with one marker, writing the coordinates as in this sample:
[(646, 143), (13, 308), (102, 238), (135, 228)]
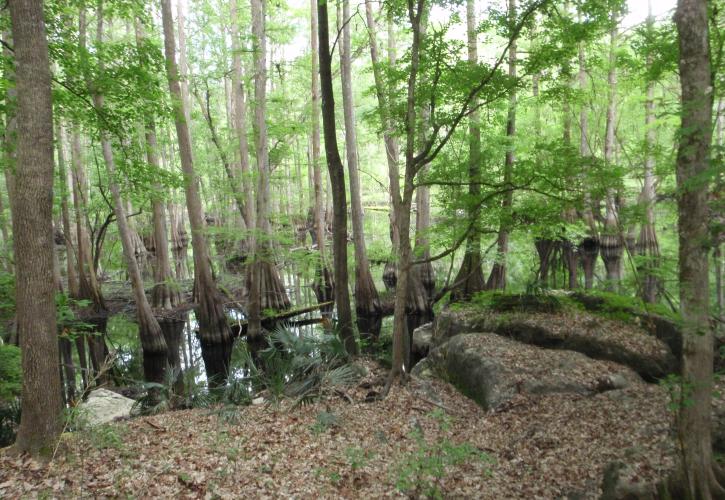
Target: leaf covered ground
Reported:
[(425, 439)]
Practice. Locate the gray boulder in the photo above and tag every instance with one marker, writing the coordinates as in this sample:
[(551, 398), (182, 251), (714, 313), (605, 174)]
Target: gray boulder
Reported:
[(104, 406), (492, 369), (597, 337), (422, 340)]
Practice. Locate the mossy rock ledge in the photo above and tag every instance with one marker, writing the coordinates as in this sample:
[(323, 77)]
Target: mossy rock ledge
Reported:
[(631, 343)]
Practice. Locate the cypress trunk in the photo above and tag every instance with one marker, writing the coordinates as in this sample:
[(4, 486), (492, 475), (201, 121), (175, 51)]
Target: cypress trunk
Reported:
[(470, 279), (216, 337)]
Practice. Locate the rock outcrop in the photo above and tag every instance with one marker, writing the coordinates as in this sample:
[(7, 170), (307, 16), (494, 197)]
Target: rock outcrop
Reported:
[(492, 369), (581, 331), (588, 369)]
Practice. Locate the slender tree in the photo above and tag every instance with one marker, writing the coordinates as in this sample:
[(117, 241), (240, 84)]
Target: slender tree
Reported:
[(337, 179), (497, 278), (367, 302), (693, 157), (392, 148), (239, 116), (152, 338), (324, 284), (589, 246), (611, 241), (647, 244), (216, 338), (40, 424), (71, 273), (470, 277), (266, 290)]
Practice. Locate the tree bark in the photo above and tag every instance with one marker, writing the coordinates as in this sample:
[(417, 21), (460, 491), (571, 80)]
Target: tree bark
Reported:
[(647, 244), (239, 117), (71, 270), (367, 301), (392, 149), (40, 424), (401, 341), (470, 279), (266, 291), (216, 338), (693, 157), (337, 179), (89, 288), (611, 240), (421, 288), (153, 344), (319, 212), (589, 246), (497, 278)]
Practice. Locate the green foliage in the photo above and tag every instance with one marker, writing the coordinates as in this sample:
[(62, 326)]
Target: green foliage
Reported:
[(9, 421), (422, 471), (302, 367), (11, 376), (507, 302), (101, 436), (7, 299), (107, 436), (679, 391), (324, 421), (620, 307), (358, 457)]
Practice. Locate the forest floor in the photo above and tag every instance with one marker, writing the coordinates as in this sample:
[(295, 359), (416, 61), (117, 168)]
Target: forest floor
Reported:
[(424, 439)]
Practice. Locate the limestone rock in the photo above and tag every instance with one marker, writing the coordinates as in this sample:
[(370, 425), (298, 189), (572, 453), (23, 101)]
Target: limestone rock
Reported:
[(422, 339), (492, 369), (104, 406), (587, 333)]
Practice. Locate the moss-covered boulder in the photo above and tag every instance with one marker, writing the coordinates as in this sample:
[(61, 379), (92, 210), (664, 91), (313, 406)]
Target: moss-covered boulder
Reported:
[(492, 369), (558, 325)]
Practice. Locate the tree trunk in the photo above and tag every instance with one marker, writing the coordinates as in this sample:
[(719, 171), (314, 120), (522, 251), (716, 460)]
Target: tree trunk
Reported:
[(497, 278), (318, 214), (647, 245), (216, 337), (152, 339), (392, 149), (40, 424), (611, 246), (421, 287), (239, 117), (337, 179), (89, 288), (470, 279), (367, 301), (266, 291), (179, 242), (165, 295), (71, 270), (401, 205), (695, 421), (183, 67), (589, 246), (324, 283)]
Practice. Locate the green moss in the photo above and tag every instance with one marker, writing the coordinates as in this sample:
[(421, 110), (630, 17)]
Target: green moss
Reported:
[(511, 302), (620, 307)]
